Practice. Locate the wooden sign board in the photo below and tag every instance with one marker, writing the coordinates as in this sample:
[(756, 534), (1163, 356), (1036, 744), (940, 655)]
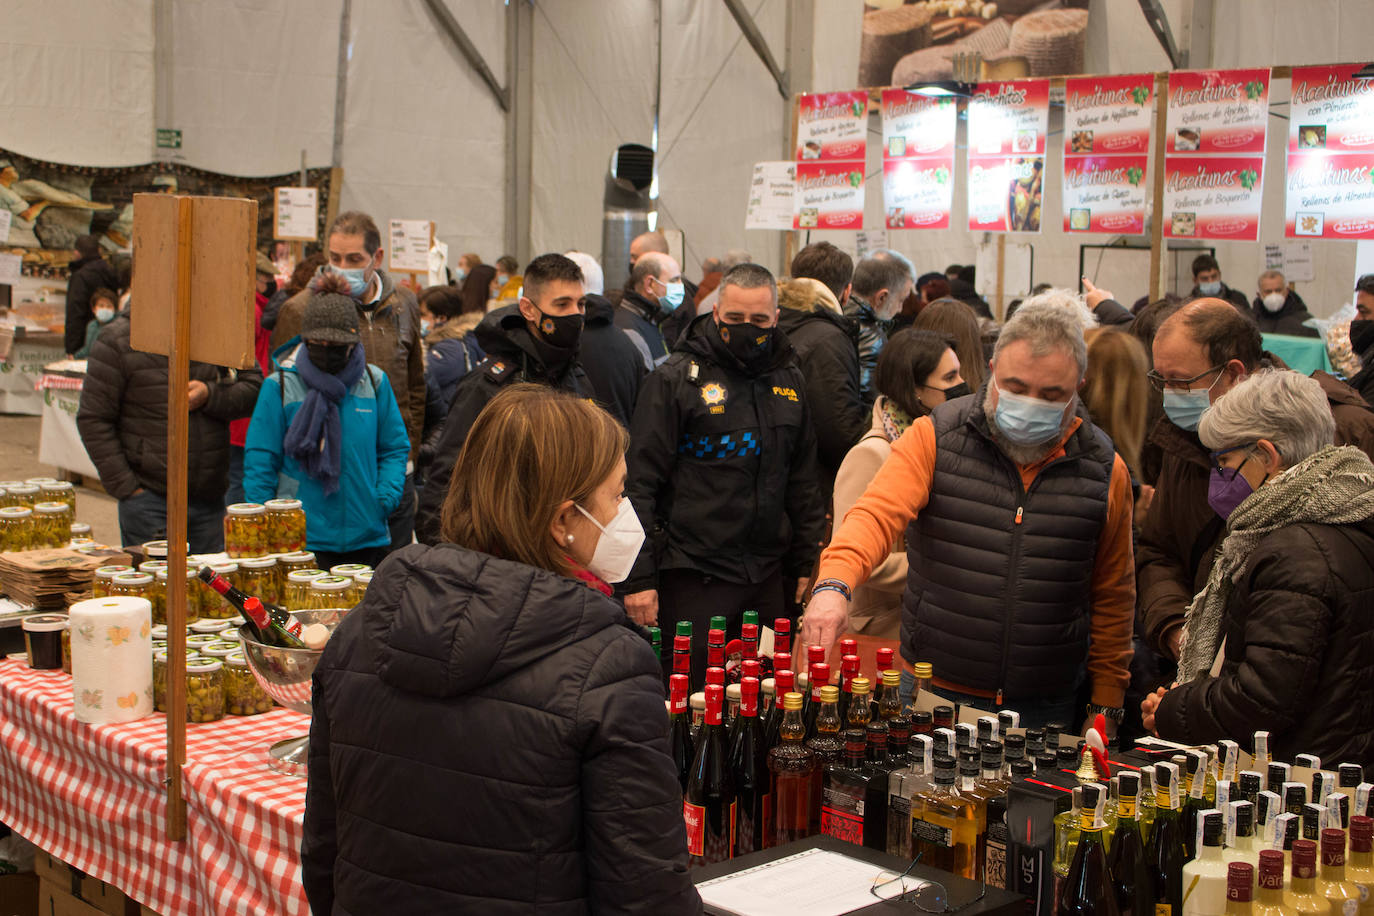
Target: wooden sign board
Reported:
[(221, 233), (295, 216)]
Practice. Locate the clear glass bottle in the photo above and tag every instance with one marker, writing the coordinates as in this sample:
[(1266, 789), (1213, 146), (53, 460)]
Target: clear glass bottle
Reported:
[(245, 530), (1087, 888), (944, 828), (1130, 879), (285, 525)]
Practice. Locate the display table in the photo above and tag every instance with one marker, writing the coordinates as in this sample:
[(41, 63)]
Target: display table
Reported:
[(94, 796), (23, 354), (59, 441), (1304, 354)]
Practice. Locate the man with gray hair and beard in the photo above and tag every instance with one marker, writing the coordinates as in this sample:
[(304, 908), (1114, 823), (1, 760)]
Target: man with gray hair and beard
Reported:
[(1016, 512)]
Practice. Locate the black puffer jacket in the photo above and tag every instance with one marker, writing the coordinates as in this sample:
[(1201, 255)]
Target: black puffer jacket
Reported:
[(490, 738), (1287, 320), (611, 360), (1299, 651), (123, 418), (512, 356), (87, 276)]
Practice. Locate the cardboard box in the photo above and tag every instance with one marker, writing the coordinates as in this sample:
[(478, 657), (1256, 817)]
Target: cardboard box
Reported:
[(19, 895), (81, 887), (54, 901)]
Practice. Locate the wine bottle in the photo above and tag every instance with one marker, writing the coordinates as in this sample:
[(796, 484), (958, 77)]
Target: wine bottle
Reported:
[(266, 630), (715, 648), (749, 641), (718, 622), (749, 769), (1359, 865), (1302, 892), (1193, 803), (682, 656), (1343, 895), (818, 680), (1164, 855), (680, 729), (1240, 889), (782, 637), (1205, 877), (709, 807), (280, 615), (1130, 880), (656, 642), (1066, 832), (749, 617), (791, 764), (1087, 890)]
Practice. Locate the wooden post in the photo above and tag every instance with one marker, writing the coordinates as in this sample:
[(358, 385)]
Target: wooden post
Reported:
[(790, 237), (1157, 205), (1001, 275)]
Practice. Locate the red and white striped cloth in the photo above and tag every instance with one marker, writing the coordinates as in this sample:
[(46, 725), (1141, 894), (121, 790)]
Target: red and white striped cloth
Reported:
[(63, 382), (94, 797)]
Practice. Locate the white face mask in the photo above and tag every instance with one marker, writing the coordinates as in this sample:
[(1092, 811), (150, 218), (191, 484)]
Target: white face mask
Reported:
[(104, 316), (1273, 301), (618, 547)]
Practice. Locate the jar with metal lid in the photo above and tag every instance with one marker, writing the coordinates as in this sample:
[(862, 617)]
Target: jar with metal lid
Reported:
[(5, 498), (43, 640), (24, 494), (245, 530), (158, 596), (52, 523), (258, 576), (349, 570), (81, 530), (243, 696), (160, 677), (100, 585), (212, 604), (59, 491), (219, 648), (158, 550), (209, 627), (204, 690), (16, 528), (152, 567), (296, 595), (296, 560), (159, 632), (138, 584), (360, 583), (40, 481), (285, 525), (328, 592), (81, 543), (198, 641)]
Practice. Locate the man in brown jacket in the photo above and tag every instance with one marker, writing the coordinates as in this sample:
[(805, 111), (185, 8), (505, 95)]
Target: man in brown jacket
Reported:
[(1201, 352), (389, 325)]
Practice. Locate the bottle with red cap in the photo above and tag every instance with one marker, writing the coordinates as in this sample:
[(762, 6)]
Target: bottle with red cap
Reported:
[(680, 728), (749, 641), (715, 649), (709, 807), (1343, 895), (1240, 889), (784, 682), (747, 668), (682, 657), (819, 679), (1302, 893), (749, 769), (782, 661), (782, 638), (1269, 895), (849, 669), (886, 657), (1359, 865)]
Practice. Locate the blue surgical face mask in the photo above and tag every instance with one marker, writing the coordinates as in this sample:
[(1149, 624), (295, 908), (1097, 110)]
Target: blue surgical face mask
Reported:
[(425, 327), (1185, 408), (105, 315), (1212, 288), (1024, 420), (460, 275), (357, 279), (502, 280), (672, 296)]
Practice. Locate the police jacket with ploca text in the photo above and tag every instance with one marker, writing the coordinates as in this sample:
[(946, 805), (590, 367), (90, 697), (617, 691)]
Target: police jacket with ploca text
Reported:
[(722, 465)]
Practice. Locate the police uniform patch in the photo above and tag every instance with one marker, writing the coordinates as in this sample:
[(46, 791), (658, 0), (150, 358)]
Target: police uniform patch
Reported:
[(498, 369), (547, 325), (713, 396)]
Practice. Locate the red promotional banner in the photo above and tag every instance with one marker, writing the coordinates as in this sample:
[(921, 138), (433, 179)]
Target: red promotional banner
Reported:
[(1106, 150), (1007, 125), (918, 159), (1330, 176), (1213, 197), (829, 195), (1218, 111), (832, 126)]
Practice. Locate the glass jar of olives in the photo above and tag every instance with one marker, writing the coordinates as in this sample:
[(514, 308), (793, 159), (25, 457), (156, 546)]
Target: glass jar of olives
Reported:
[(212, 603), (158, 596), (243, 696), (258, 577), (245, 530), (100, 585), (204, 689), (219, 648), (285, 525), (349, 570), (59, 491), (24, 494), (291, 562), (296, 595), (16, 528), (138, 584), (52, 523), (5, 498), (328, 592), (152, 567), (360, 583), (160, 676), (81, 530), (209, 626)]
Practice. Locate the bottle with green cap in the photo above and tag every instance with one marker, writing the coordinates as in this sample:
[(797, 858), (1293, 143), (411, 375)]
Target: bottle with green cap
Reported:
[(717, 622), (750, 617)]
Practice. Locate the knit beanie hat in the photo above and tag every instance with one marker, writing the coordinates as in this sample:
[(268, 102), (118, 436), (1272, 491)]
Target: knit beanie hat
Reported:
[(330, 317)]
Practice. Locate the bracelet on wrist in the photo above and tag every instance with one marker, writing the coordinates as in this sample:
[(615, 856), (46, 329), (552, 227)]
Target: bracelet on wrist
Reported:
[(832, 585)]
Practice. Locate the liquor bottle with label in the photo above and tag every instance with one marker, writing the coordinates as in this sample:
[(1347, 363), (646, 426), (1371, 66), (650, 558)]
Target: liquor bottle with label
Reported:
[(1307, 761), (889, 697), (783, 684), (944, 831), (849, 670), (923, 674), (860, 713), (898, 743), (1193, 802), (1240, 889), (715, 648), (902, 785), (884, 662), (680, 729), (1164, 854), (1130, 879), (1205, 877), (817, 676), (1313, 817), (749, 770), (1348, 777), (1269, 891), (988, 729), (878, 768), (1014, 749), (1343, 895), (1146, 802), (1287, 831), (656, 641), (826, 744), (1087, 889), (922, 722), (709, 807), (942, 717), (1294, 797), (1302, 893), (782, 637), (791, 766), (749, 641), (1359, 865), (843, 788), (1240, 833), (967, 786), (281, 628), (1277, 774)]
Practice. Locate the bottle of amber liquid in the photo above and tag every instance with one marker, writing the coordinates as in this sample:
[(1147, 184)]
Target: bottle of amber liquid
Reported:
[(860, 713), (827, 744), (945, 833), (890, 695), (788, 812)]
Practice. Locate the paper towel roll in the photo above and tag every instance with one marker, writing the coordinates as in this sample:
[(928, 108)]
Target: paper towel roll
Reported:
[(112, 659)]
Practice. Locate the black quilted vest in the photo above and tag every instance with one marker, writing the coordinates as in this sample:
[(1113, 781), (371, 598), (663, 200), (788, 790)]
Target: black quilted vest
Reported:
[(1000, 584)]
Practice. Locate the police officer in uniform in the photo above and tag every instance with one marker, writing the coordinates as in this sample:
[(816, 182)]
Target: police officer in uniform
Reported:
[(536, 340), (723, 471)]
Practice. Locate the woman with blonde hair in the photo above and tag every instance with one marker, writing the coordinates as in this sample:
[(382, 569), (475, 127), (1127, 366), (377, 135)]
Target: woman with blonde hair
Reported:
[(1116, 390), (488, 731), (955, 319)]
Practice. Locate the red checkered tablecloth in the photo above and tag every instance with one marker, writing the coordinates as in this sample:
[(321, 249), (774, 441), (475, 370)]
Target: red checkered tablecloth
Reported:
[(62, 382), (94, 797)]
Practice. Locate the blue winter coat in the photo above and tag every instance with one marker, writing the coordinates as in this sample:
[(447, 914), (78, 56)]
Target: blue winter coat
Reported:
[(373, 470)]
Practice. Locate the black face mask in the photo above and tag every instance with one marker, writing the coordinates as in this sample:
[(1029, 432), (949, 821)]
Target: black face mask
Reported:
[(956, 391), (271, 289), (750, 344), (1361, 335), (329, 358), (561, 331)]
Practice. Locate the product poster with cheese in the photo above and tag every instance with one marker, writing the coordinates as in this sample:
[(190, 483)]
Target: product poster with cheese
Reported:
[(1007, 127), (1217, 111), (1330, 175), (918, 160), (1213, 197), (829, 195), (832, 127), (1106, 150)]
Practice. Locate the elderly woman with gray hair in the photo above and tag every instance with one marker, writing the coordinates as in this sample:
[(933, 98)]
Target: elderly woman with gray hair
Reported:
[(1282, 636)]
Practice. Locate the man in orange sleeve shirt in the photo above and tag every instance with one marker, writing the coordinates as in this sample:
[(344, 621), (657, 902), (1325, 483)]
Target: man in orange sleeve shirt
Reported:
[(1017, 513)]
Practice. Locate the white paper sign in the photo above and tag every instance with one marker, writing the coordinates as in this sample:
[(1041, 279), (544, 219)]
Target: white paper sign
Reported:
[(9, 268), (1293, 258), (5, 217), (868, 242), (409, 245), (770, 196), (297, 214)]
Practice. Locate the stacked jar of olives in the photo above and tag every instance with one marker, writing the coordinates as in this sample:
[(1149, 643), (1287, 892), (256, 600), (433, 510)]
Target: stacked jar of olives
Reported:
[(5, 498), (138, 584), (360, 583), (213, 604), (204, 689), (285, 525), (16, 528), (258, 576), (59, 491), (24, 494), (328, 592), (157, 595), (100, 585), (296, 595), (52, 524), (160, 676), (243, 696), (246, 530)]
